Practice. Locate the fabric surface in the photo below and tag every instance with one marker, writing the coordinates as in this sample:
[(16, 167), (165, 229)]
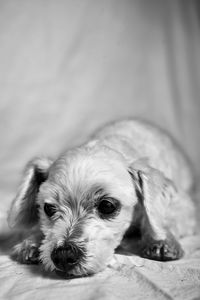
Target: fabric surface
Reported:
[(67, 67)]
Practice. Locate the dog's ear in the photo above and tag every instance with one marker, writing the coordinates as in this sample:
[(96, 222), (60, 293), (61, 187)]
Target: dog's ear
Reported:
[(160, 199), (152, 188), (24, 211)]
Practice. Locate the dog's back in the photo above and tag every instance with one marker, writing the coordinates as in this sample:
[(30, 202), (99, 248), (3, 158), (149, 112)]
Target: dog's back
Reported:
[(139, 140)]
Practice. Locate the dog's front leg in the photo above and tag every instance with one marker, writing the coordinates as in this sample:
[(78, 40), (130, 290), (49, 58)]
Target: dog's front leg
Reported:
[(157, 242), (27, 251)]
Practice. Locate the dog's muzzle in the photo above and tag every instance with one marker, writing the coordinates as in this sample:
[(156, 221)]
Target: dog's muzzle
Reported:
[(66, 257)]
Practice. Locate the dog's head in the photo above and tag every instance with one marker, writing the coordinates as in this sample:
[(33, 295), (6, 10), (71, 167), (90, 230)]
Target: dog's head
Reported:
[(83, 203)]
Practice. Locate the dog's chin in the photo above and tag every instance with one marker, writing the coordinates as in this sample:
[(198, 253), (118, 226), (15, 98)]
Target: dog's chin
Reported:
[(77, 272), (81, 270)]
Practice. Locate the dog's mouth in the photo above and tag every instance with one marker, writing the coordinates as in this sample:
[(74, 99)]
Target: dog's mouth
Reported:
[(76, 272), (66, 275)]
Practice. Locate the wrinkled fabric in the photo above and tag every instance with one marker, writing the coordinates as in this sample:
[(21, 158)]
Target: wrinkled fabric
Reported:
[(66, 68)]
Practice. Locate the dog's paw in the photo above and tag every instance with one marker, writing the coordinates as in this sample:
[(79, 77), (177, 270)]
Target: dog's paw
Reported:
[(26, 252), (162, 250)]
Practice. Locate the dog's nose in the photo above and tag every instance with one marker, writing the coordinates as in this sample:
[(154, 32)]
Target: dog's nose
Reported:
[(66, 257)]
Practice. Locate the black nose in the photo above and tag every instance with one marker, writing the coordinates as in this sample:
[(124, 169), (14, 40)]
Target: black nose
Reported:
[(66, 257)]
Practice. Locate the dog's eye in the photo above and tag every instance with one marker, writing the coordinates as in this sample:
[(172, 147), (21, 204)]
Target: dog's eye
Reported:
[(107, 207), (49, 209)]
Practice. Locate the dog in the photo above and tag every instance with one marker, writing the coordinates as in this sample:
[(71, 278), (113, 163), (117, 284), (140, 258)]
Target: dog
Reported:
[(130, 176)]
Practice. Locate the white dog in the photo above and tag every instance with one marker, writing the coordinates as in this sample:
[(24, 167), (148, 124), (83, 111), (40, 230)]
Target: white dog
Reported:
[(129, 176)]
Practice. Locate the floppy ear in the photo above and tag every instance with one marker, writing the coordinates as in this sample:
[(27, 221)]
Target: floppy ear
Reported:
[(23, 211), (160, 200), (150, 182), (155, 193)]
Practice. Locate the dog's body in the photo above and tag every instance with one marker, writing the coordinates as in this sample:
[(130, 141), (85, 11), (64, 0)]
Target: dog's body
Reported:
[(129, 176)]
